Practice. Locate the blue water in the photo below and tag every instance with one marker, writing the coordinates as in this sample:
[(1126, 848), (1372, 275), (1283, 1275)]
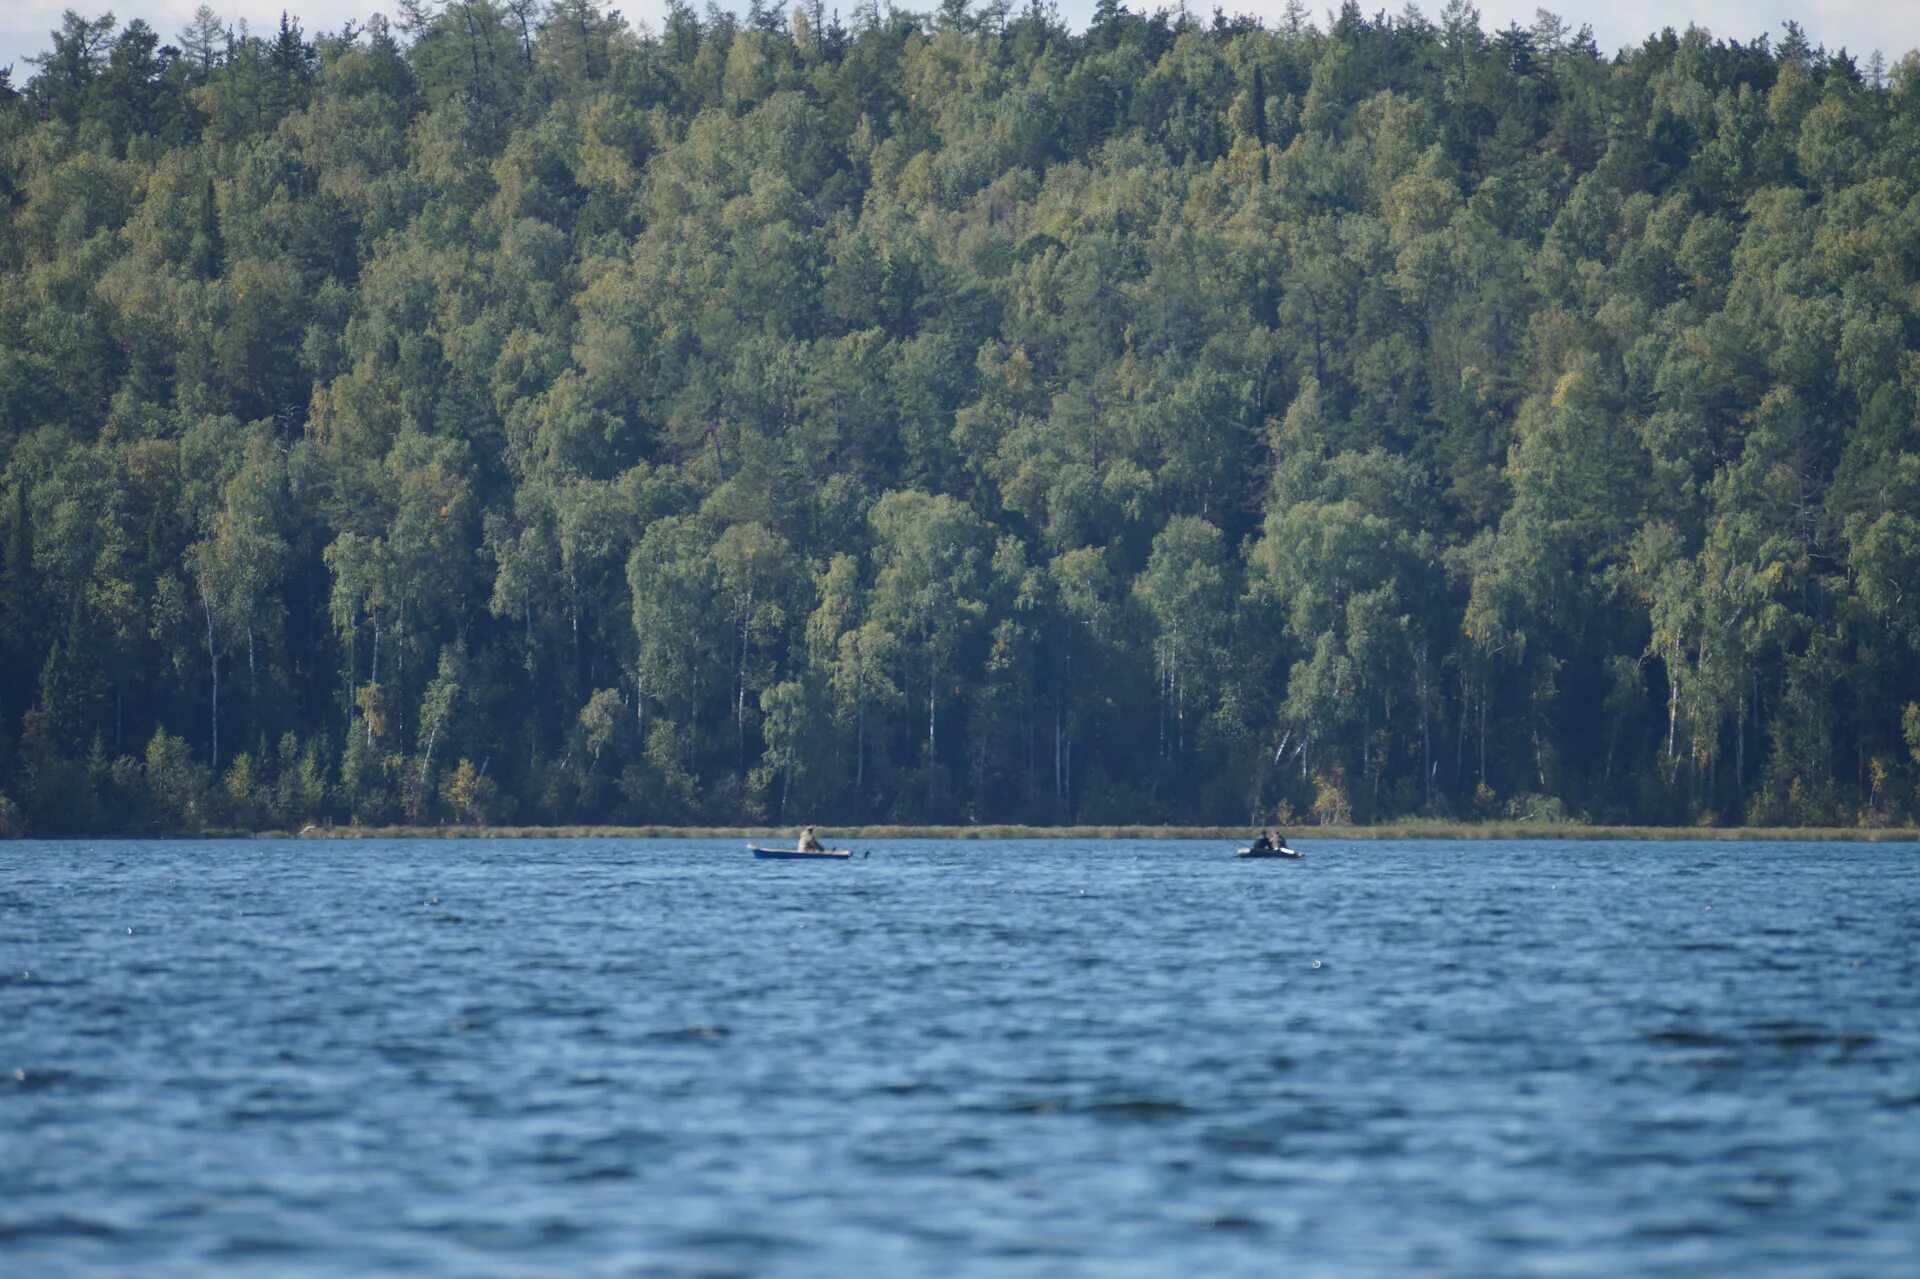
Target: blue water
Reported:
[(588, 1058)]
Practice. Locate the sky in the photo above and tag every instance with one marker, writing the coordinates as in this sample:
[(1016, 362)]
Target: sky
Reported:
[(1861, 26)]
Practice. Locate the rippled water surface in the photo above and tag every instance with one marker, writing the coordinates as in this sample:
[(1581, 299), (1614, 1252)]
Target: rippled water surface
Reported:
[(662, 1058)]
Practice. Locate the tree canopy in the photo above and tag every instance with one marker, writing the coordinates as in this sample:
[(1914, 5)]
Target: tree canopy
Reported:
[(512, 414)]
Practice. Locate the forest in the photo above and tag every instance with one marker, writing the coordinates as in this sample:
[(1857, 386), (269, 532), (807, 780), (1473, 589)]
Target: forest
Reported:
[(509, 414)]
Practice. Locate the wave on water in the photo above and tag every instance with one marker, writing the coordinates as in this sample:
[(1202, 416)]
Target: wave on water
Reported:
[(1510, 1061)]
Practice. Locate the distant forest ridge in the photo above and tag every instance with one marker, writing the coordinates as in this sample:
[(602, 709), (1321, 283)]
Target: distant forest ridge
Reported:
[(508, 416)]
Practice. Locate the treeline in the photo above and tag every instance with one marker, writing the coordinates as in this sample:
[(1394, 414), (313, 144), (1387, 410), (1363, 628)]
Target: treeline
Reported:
[(513, 415)]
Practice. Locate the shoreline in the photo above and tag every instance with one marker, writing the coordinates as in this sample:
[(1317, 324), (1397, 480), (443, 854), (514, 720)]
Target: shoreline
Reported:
[(1391, 831)]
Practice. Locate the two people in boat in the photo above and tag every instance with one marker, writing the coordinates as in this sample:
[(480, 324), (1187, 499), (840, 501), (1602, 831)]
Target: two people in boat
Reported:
[(1267, 842)]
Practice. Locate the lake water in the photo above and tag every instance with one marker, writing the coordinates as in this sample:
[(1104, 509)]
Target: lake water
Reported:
[(662, 1058)]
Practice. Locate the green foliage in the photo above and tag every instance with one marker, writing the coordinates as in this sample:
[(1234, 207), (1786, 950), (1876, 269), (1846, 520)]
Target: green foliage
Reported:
[(953, 418), (176, 780)]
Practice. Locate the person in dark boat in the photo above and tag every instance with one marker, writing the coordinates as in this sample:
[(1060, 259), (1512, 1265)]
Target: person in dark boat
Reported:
[(808, 844), (1261, 843)]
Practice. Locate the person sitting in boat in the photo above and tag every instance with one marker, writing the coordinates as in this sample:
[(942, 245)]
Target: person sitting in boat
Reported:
[(808, 844), (1261, 844)]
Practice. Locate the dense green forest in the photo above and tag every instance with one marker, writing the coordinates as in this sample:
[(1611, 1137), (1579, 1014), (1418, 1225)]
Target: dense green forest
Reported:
[(508, 414)]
